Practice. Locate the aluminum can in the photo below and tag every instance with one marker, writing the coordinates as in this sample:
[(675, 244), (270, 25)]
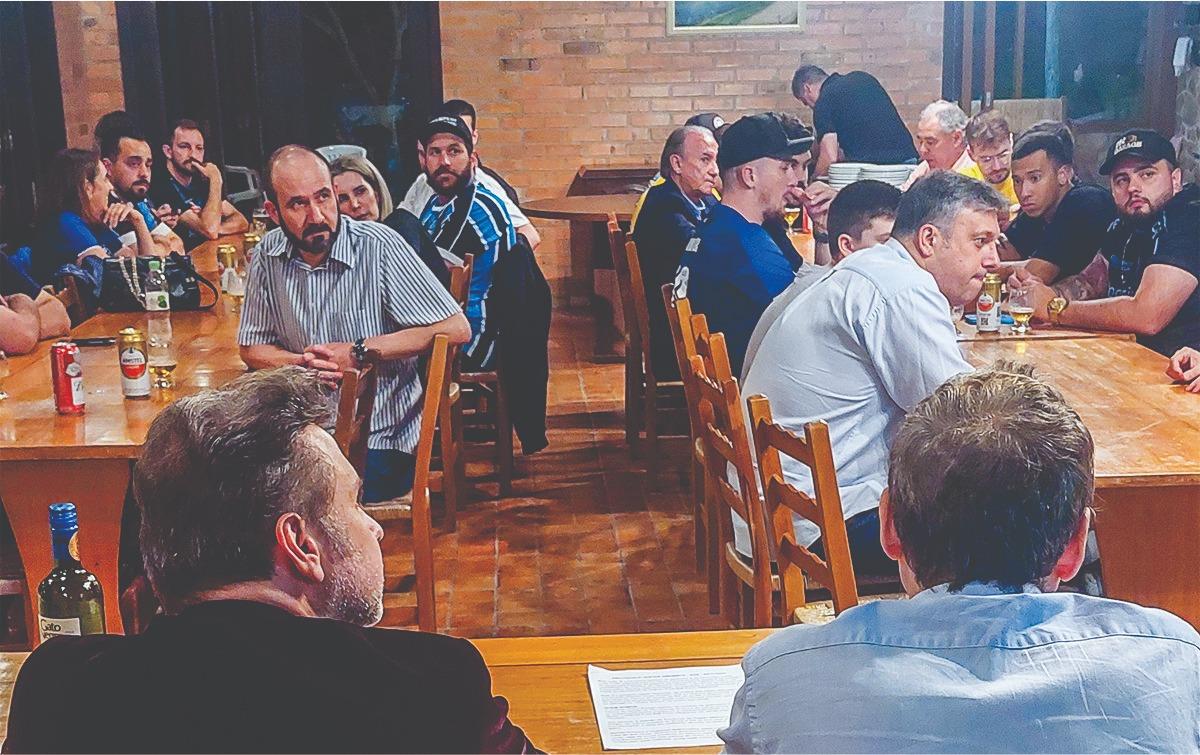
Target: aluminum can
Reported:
[(227, 256), (987, 309), (135, 370), (67, 376)]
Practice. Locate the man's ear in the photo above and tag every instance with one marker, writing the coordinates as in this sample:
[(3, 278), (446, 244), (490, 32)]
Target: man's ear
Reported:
[(888, 539), (272, 212), (925, 240), (108, 165), (1176, 180), (1071, 560), (676, 163), (166, 150), (844, 245), (297, 548)]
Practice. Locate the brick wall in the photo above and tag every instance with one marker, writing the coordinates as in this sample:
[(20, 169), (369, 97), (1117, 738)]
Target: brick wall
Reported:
[(560, 84), (89, 64)]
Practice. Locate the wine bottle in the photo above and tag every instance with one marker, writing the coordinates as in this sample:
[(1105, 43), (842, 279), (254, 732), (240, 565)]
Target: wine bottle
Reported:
[(70, 599)]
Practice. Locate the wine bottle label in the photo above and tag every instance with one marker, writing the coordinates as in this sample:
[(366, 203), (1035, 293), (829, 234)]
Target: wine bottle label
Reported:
[(49, 627)]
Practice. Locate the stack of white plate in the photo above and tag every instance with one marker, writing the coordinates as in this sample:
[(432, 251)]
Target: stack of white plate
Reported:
[(844, 174), (891, 174)]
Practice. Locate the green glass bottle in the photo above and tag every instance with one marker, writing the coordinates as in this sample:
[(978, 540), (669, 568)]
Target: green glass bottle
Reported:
[(70, 600)]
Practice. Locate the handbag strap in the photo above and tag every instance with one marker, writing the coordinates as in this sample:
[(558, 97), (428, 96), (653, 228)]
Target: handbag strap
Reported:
[(215, 291)]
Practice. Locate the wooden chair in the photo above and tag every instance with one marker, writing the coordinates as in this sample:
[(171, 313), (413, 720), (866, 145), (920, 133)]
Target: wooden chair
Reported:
[(460, 280), (452, 482), (356, 401), (679, 317), (415, 505), (642, 387), (747, 588), (795, 562), (72, 301)]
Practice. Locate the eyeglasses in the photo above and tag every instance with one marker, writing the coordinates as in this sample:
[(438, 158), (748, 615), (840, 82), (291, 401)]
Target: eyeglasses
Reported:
[(997, 159)]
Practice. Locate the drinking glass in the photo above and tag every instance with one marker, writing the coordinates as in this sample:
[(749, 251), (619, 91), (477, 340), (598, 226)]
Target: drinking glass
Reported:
[(956, 315), (1020, 306), (4, 371), (790, 216)]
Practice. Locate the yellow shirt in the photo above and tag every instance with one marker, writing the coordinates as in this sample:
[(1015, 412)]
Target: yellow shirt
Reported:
[(1005, 187)]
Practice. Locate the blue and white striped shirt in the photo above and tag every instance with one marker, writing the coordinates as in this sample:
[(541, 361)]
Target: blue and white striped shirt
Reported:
[(372, 283), (483, 228)]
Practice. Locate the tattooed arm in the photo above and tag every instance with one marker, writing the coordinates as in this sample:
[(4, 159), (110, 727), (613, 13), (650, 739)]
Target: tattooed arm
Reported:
[(1091, 283)]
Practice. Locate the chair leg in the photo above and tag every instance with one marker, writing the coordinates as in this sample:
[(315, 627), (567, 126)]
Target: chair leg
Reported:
[(650, 420), (746, 593), (450, 488), (716, 566), (633, 405), (730, 587), (700, 522), (423, 562), (504, 442)]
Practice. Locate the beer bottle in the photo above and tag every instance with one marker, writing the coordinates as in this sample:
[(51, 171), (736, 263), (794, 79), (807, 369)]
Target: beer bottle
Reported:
[(70, 599)]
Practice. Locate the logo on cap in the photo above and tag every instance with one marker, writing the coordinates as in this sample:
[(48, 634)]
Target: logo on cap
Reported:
[(718, 121), (1129, 141)]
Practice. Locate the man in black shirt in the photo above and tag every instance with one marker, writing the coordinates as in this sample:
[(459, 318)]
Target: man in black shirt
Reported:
[(852, 114), (193, 189), (1061, 223), (1152, 252)]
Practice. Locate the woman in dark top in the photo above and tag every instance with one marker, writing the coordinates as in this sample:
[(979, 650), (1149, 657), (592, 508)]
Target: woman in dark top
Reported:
[(78, 220), (363, 195)]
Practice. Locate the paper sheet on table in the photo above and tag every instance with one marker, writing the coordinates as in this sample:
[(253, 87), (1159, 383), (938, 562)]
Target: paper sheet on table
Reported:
[(663, 707)]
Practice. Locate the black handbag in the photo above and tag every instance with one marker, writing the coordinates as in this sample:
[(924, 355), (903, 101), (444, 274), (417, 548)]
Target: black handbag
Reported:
[(124, 279)]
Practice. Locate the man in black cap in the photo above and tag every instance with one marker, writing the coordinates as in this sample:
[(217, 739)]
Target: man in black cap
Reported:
[(1152, 252), (733, 268), (465, 217), (670, 212)]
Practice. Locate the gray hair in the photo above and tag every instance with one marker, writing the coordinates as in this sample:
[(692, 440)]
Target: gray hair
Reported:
[(365, 168), (937, 199), (220, 468), (988, 478), (674, 146), (949, 117)]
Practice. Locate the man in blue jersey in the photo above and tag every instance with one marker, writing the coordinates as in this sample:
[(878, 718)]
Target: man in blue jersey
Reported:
[(465, 217)]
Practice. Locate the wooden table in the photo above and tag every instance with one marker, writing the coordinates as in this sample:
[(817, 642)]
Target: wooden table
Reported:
[(1037, 332), (1147, 436), (545, 678), (87, 459), (590, 208)]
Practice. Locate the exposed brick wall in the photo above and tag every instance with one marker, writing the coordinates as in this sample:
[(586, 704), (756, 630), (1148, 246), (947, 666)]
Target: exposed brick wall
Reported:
[(89, 64), (560, 84)]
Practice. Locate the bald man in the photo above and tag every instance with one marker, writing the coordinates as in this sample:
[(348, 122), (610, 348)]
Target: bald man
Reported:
[(324, 290)]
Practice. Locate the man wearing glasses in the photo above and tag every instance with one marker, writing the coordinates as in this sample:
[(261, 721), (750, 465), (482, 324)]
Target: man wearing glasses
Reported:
[(989, 142)]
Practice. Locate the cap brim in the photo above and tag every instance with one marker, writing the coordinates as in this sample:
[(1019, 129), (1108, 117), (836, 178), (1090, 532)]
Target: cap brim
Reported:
[(1107, 166), (794, 147)]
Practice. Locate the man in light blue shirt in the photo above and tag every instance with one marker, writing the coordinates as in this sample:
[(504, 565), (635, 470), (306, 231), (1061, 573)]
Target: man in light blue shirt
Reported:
[(871, 339), (987, 511)]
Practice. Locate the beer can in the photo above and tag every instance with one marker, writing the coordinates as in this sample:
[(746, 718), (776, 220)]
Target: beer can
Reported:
[(227, 256), (67, 376), (135, 369), (987, 309)]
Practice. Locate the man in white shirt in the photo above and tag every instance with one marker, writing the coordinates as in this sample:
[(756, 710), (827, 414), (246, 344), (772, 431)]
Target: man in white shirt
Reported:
[(941, 142), (871, 339), (420, 193), (987, 511)]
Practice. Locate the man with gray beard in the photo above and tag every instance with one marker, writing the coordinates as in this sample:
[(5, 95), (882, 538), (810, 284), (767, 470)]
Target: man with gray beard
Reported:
[(271, 575)]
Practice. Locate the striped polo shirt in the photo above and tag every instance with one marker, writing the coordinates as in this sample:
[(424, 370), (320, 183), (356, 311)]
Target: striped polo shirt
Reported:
[(372, 283), (475, 221)]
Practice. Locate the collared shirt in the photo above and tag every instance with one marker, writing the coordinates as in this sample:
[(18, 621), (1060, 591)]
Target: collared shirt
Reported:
[(419, 194), (963, 164), (372, 283), (980, 670), (805, 277), (732, 275), (858, 349), (476, 222)]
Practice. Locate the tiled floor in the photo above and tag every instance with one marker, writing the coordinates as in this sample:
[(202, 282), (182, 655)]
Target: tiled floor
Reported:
[(586, 544)]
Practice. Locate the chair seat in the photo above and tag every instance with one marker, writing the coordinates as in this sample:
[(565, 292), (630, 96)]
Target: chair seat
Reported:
[(743, 569), (391, 511)]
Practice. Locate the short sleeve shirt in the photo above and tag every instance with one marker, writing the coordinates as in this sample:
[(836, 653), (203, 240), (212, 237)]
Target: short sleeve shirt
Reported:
[(1172, 238), (732, 275), (857, 108), (166, 190), (64, 240), (372, 283), (1073, 236)]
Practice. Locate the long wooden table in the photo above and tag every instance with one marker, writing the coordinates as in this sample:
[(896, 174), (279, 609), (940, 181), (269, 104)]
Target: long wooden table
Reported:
[(46, 458), (1147, 437), (545, 678)]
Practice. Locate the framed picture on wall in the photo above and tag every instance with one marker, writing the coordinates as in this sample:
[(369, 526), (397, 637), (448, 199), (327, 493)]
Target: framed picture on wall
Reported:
[(718, 16)]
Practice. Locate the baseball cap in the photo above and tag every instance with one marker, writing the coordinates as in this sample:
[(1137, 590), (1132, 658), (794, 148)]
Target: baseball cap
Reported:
[(710, 121), (1139, 142), (447, 124), (756, 136)]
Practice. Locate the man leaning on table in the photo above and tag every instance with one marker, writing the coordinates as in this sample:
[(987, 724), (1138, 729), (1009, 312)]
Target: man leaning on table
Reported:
[(987, 510), (271, 576), (1151, 254), (323, 290), (871, 339)]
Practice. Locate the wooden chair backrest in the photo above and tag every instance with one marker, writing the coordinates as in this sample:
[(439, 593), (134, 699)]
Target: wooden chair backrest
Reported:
[(641, 310), (635, 337), (727, 444), (679, 318), (460, 280), (437, 384), (356, 402), (72, 301), (836, 571)]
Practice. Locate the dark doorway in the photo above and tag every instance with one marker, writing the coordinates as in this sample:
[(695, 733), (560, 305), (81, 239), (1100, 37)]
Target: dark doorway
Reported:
[(31, 114)]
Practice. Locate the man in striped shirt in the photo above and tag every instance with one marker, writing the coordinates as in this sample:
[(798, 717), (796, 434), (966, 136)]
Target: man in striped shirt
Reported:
[(465, 217), (323, 290)]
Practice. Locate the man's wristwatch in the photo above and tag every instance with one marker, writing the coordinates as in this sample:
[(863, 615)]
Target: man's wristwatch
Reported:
[(359, 352), (1055, 308)]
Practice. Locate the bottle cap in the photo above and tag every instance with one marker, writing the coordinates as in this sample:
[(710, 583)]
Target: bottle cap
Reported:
[(63, 517), (155, 265)]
